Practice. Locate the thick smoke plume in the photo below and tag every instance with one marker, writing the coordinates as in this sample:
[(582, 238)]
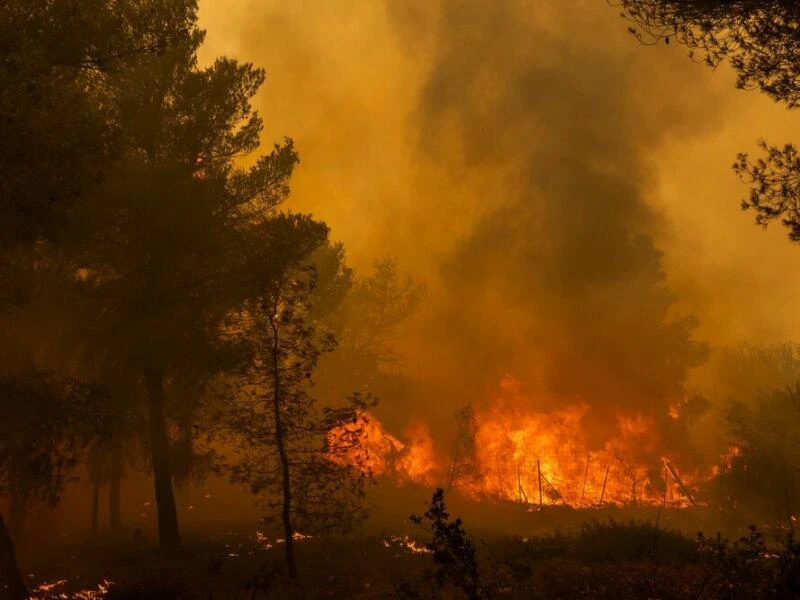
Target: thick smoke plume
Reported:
[(512, 154), (560, 282)]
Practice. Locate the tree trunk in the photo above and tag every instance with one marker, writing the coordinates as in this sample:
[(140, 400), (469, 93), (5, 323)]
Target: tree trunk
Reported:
[(95, 526), (168, 533), (11, 585), (114, 488), (288, 530)]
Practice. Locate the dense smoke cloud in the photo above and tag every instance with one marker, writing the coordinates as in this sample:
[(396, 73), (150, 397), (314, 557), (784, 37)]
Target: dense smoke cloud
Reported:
[(514, 155), (561, 283)]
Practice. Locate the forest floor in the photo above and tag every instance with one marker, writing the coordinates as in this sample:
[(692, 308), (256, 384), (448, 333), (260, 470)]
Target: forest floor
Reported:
[(599, 559)]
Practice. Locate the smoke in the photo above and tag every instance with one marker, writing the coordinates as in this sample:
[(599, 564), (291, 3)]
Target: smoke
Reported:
[(514, 155), (560, 282)]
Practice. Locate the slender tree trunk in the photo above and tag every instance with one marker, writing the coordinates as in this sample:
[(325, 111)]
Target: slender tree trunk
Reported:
[(114, 488), (11, 585), (168, 532), (288, 530), (95, 526)]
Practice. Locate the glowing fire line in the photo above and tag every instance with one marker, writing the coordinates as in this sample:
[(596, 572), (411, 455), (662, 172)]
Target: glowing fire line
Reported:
[(537, 458)]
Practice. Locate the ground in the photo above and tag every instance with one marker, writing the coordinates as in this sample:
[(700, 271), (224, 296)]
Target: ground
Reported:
[(604, 557)]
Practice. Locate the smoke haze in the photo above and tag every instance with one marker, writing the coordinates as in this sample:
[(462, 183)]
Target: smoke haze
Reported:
[(565, 194)]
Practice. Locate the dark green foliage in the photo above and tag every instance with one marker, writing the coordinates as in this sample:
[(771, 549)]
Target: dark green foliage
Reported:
[(453, 551)]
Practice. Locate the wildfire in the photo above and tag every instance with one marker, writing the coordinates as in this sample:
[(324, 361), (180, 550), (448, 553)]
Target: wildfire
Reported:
[(266, 544), (263, 541), (296, 536), (46, 590), (405, 543), (538, 458), (380, 453)]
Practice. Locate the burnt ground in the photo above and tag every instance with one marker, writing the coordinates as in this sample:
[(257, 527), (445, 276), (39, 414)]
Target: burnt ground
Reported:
[(613, 553)]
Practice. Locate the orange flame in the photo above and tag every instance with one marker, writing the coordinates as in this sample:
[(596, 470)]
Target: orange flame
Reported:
[(407, 544), (523, 455), (380, 453)]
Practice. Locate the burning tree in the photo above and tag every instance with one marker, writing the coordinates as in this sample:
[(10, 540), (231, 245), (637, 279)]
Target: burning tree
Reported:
[(286, 452), (463, 467)]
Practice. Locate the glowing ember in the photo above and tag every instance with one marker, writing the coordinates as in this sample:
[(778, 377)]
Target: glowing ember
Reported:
[(100, 592), (44, 588), (296, 536), (406, 543), (263, 540), (45, 591)]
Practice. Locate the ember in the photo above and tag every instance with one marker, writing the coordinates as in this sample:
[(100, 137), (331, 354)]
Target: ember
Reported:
[(45, 591), (406, 543), (381, 453)]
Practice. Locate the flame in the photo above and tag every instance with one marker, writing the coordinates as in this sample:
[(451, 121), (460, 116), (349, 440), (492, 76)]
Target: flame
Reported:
[(43, 591), (263, 540), (48, 586), (726, 461), (534, 457), (380, 453), (406, 543)]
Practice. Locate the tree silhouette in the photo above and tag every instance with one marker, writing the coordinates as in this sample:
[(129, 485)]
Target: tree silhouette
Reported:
[(760, 39), (462, 467), (285, 449), (367, 319), (758, 386), (164, 247), (58, 133)]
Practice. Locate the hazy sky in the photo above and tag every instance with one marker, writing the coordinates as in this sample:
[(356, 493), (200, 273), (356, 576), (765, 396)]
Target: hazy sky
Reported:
[(417, 121)]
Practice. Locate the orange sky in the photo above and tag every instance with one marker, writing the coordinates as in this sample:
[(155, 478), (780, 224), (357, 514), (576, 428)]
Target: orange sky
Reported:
[(345, 80)]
